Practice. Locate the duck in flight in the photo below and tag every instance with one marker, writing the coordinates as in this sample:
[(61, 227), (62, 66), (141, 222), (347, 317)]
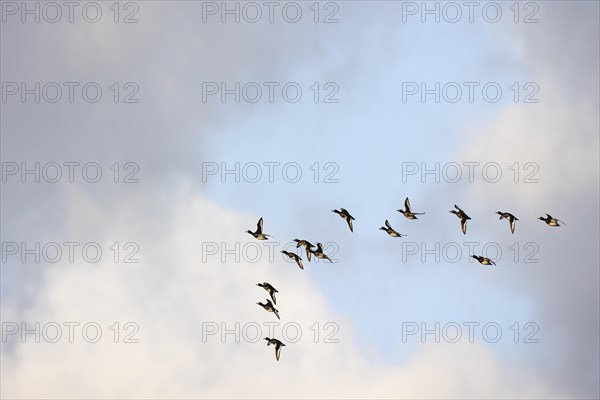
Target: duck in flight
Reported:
[(484, 260), (511, 219), (259, 231), (277, 344), (551, 221), (342, 212), (269, 288), (269, 307), (319, 252), (306, 244), (463, 218), (390, 231), (408, 213), (294, 257)]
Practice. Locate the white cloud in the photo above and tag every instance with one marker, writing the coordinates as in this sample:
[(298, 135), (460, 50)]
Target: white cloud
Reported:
[(171, 292)]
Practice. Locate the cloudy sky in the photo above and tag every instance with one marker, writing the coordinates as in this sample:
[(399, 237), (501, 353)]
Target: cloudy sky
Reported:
[(186, 170)]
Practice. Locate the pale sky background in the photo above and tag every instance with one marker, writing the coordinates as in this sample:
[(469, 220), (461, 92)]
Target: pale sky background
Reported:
[(370, 292)]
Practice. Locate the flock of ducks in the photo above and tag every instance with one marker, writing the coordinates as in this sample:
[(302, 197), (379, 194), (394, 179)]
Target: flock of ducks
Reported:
[(343, 213)]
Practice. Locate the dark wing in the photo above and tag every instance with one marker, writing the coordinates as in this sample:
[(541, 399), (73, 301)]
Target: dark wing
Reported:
[(299, 261), (350, 225), (350, 216), (308, 254), (259, 226), (388, 224), (276, 313), (407, 205), (463, 225), (512, 226), (277, 352)]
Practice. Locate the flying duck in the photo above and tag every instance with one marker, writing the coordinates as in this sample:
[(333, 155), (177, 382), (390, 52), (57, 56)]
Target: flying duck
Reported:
[(463, 218), (511, 219), (269, 288), (294, 257), (551, 221), (259, 231), (319, 252), (277, 344), (342, 212), (269, 307), (390, 231), (484, 260), (408, 212), (306, 244)]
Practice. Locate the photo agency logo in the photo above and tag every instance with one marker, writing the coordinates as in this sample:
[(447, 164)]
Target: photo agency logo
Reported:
[(251, 12), (69, 172), (453, 332), (253, 252), (71, 332), (270, 171), (71, 252), (53, 12), (69, 92), (470, 171), (489, 12), (253, 332), (469, 92), (270, 92), (490, 253)]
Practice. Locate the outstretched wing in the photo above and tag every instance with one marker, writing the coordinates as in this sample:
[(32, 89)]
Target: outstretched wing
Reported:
[(276, 313), (463, 225), (407, 205), (512, 226), (272, 292), (259, 226), (308, 253), (299, 261), (388, 224), (277, 352), (350, 225)]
